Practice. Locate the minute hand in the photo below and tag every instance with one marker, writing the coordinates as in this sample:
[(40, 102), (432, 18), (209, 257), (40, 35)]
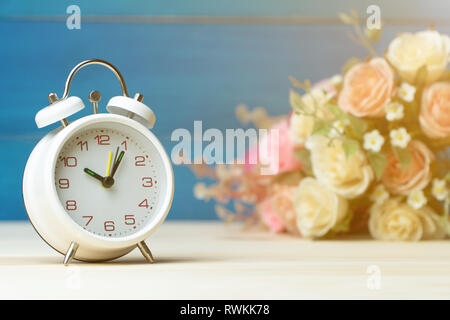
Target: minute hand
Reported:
[(116, 163)]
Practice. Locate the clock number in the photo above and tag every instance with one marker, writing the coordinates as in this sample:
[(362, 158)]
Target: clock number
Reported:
[(124, 143), (109, 226), (129, 219), (64, 183), (69, 161), (102, 140), (71, 205), (140, 161), (147, 182), (82, 144), (90, 219), (143, 204)]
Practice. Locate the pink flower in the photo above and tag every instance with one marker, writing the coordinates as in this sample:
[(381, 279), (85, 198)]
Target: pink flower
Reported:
[(269, 217), (270, 145), (252, 153), (283, 206)]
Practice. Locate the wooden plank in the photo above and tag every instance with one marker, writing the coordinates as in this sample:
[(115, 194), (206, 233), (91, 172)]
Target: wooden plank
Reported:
[(212, 261)]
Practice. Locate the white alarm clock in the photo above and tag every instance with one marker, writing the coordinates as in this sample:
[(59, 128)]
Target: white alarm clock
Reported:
[(97, 187)]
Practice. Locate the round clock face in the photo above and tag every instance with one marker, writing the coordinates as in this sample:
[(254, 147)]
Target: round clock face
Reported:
[(108, 177)]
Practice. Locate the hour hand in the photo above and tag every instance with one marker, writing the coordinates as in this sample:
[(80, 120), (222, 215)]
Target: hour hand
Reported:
[(93, 174)]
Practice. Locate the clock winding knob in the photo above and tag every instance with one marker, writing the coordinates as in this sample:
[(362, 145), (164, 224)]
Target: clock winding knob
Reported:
[(94, 97)]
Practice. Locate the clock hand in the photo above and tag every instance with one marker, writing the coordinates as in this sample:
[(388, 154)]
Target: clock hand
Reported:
[(117, 162), (115, 156), (108, 180), (108, 168), (93, 174)]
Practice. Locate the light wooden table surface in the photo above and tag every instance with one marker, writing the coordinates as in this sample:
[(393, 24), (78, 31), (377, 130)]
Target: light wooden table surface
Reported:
[(207, 260)]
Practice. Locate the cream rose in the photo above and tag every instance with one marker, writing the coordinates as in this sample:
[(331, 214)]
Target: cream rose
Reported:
[(347, 176), (396, 221), (435, 110), (301, 126), (368, 88), (318, 208), (415, 177), (409, 52)]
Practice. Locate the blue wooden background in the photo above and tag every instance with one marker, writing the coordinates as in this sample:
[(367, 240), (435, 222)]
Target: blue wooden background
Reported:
[(187, 70)]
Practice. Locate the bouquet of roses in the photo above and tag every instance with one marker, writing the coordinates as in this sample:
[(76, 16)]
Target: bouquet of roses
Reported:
[(364, 150)]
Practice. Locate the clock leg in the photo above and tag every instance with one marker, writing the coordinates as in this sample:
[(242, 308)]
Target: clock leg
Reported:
[(70, 253), (145, 251)]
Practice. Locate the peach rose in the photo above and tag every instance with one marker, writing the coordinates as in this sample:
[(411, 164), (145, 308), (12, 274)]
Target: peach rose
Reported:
[(435, 110), (367, 89), (416, 177)]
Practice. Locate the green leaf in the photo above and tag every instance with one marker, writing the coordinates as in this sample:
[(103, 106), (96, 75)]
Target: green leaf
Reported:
[(358, 126), (378, 161), (444, 219), (307, 84), (421, 76), (296, 101), (322, 127), (444, 223), (413, 110), (350, 147), (304, 156), (292, 178), (344, 225), (295, 82), (403, 156), (373, 34), (445, 76), (337, 112)]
